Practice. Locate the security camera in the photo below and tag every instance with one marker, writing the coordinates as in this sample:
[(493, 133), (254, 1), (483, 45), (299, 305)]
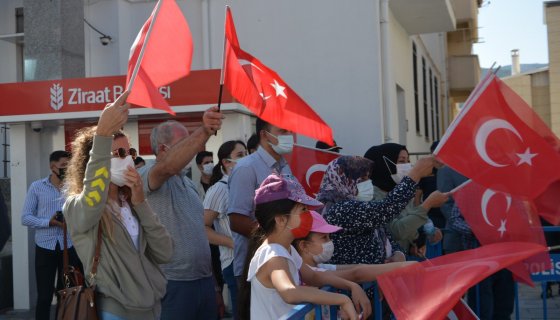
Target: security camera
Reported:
[(105, 40), (36, 126)]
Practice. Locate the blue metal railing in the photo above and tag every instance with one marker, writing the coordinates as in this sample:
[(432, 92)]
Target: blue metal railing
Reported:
[(432, 251)]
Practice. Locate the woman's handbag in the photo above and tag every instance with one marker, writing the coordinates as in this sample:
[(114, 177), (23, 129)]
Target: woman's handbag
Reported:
[(76, 301)]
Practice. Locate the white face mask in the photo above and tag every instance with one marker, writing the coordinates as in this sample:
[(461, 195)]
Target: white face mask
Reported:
[(285, 143), (326, 255), (402, 170), (365, 191), (207, 168), (118, 168)]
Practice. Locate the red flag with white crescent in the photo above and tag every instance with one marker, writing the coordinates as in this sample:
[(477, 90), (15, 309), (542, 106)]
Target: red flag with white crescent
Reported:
[(268, 96), (489, 143), (500, 217), (308, 165)]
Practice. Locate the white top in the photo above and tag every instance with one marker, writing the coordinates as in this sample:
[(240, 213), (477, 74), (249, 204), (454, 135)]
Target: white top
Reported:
[(321, 267), (131, 224), (266, 303), (216, 199)]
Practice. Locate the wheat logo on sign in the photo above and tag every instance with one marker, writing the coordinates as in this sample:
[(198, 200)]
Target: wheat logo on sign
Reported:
[(56, 96)]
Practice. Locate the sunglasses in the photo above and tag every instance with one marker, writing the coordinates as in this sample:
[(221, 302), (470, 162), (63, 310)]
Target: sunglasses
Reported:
[(121, 152)]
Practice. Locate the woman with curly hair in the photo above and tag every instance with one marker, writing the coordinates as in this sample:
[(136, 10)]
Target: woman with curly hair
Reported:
[(105, 191)]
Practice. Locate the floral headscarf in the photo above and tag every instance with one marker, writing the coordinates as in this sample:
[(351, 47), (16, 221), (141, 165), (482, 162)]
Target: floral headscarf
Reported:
[(341, 179)]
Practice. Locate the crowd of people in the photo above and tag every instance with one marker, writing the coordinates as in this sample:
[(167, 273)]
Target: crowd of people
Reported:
[(274, 245)]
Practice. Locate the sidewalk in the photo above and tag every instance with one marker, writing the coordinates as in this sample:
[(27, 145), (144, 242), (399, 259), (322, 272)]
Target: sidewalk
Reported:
[(530, 306)]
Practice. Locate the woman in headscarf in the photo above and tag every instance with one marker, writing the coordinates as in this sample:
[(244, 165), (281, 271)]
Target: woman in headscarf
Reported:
[(346, 191), (390, 164)]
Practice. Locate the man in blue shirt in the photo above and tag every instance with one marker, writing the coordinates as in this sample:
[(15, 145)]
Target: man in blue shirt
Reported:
[(246, 177), (42, 203)]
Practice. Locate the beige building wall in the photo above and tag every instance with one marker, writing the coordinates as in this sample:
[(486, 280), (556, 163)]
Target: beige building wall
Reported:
[(553, 27), (521, 84), (540, 95)]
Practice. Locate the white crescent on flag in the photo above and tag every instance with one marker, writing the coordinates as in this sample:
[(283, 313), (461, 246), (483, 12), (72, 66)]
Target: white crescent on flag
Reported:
[(486, 196), (484, 132)]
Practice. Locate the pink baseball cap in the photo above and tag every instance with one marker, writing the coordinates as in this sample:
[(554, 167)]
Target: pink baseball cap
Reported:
[(320, 224), (277, 187)]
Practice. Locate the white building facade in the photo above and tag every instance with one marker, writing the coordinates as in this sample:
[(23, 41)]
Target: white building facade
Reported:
[(375, 71)]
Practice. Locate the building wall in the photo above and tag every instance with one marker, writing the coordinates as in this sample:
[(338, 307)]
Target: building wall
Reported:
[(540, 85), (553, 28), (521, 84), (8, 49)]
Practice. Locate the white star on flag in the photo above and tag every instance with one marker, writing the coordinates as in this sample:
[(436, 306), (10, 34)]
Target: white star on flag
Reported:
[(502, 227), (526, 157), (279, 89)]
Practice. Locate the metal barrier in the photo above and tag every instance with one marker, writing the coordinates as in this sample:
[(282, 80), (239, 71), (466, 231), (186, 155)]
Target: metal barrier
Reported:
[(301, 311), (432, 251), (543, 277)]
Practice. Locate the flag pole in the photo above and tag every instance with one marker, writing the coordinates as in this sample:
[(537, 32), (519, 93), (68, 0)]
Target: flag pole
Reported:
[(222, 71), (141, 55)]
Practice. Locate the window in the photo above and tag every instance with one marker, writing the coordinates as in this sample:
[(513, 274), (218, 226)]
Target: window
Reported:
[(415, 80), (432, 115), (425, 96), (437, 120)]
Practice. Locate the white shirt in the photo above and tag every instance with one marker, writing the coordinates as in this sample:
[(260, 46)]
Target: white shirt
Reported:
[(216, 199), (266, 303), (131, 224), (322, 267)]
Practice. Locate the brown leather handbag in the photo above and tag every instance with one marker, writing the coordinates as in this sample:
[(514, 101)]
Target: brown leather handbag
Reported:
[(77, 301)]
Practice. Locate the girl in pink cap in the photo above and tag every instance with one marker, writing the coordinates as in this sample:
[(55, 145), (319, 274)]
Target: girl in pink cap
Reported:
[(275, 271), (317, 249)]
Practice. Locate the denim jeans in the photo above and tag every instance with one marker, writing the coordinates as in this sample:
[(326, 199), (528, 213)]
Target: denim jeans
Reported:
[(496, 296), (194, 299), (232, 287), (104, 315)]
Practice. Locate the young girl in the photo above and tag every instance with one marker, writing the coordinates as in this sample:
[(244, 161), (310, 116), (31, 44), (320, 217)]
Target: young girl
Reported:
[(276, 272), (317, 248), (215, 211)]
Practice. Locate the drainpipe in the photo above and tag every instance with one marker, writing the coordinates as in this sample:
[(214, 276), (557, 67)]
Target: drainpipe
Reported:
[(386, 83), (206, 54)]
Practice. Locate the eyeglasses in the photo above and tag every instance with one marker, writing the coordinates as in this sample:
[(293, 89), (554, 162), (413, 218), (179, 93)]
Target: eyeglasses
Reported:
[(121, 152)]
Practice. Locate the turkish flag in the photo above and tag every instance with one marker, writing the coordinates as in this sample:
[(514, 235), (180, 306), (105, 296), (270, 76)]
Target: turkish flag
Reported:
[(166, 57), (461, 311), (489, 143), (547, 203), (430, 289), (261, 90), (499, 217), (308, 165)]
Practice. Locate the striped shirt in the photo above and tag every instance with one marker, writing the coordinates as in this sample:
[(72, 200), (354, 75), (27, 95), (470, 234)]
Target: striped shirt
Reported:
[(217, 200), (43, 200)]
